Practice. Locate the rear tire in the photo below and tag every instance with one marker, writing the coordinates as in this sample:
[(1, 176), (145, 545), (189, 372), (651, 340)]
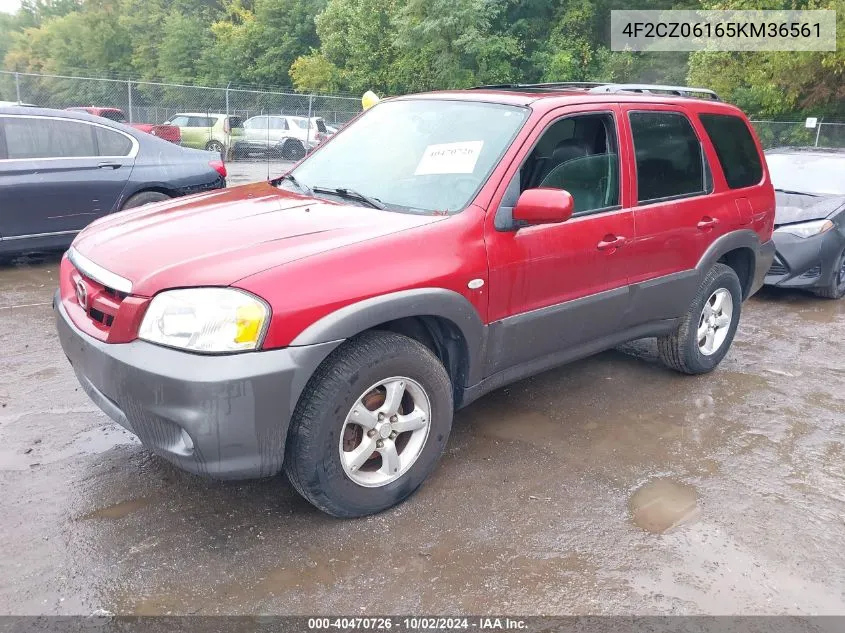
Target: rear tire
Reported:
[(707, 330), (836, 288), (216, 147), (326, 428), (293, 150), (144, 197)]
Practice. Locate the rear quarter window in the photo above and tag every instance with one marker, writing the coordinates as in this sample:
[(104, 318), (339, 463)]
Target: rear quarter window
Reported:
[(112, 143), (735, 149), (235, 121)]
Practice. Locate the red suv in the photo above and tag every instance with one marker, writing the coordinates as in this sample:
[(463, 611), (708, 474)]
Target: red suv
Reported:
[(329, 322)]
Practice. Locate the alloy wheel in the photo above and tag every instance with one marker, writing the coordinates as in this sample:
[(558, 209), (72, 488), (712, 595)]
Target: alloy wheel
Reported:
[(385, 432), (715, 321)]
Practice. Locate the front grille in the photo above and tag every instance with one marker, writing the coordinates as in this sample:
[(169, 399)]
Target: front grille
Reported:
[(101, 317), (778, 268), (116, 294), (102, 302)]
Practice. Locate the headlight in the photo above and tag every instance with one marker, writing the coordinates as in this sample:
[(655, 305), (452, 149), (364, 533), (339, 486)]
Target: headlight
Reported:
[(807, 229), (206, 320)]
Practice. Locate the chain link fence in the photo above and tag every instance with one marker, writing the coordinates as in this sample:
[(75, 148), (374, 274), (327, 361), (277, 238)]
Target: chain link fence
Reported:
[(158, 102), (795, 133)]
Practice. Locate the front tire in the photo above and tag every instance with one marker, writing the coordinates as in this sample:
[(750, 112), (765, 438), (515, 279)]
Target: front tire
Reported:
[(370, 425), (836, 288), (707, 330)]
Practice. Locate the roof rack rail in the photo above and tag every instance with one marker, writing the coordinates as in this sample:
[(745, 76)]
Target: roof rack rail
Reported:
[(597, 86), (572, 85), (681, 91)]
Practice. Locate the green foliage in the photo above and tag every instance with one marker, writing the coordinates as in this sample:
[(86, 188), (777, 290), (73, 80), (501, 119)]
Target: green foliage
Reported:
[(397, 46), (314, 73), (774, 84)]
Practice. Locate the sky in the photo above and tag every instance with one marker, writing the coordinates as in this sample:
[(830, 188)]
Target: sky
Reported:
[(9, 6)]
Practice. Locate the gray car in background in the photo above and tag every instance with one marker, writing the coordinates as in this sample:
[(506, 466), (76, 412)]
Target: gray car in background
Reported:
[(810, 220), (61, 170), (281, 136)]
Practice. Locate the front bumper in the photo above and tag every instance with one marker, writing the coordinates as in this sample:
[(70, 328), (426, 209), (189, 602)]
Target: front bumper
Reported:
[(805, 262), (765, 256), (224, 416)]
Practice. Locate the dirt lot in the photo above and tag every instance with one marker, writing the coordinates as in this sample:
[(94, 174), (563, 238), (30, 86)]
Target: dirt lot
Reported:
[(608, 486)]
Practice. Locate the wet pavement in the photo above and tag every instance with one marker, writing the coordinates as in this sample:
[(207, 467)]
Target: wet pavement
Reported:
[(242, 172), (608, 486)]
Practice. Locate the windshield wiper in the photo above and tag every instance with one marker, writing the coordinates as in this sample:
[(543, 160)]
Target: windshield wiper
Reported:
[(303, 188), (351, 194), (797, 193)]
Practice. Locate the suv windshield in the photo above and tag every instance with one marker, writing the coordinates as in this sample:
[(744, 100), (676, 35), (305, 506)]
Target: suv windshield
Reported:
[(416, 155)]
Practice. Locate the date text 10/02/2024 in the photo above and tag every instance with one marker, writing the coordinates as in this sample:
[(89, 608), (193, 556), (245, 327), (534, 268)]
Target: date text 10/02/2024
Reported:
[(417, 623)]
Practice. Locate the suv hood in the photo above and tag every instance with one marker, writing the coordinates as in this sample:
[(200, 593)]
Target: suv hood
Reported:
[(217, 238), (792, 207)]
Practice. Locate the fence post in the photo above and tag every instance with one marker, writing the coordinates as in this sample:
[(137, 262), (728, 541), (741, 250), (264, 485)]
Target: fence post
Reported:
[(18, 86), (308, 134), (818, 131), (129, 89), (227, 97)]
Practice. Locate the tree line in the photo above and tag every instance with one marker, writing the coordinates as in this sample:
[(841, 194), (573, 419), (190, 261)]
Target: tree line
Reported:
[(401, 46)]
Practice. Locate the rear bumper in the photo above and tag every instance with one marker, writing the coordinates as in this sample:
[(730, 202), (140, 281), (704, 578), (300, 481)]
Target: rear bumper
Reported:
[(805, 262), (223, 416)]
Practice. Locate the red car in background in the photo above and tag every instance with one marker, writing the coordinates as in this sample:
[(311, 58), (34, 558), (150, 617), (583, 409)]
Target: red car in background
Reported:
[(167, 132)]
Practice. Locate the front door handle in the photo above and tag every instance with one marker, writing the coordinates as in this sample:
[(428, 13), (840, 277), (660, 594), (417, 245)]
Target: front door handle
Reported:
[(611, 242), (707, 223), (109, 165)]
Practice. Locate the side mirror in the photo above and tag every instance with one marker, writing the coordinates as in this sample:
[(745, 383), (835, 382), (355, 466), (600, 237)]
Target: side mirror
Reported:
[(544, 206)]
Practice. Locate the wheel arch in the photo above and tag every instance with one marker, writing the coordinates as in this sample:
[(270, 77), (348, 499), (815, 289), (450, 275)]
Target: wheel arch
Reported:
[(442, 320), (738, 250), (127, 195)]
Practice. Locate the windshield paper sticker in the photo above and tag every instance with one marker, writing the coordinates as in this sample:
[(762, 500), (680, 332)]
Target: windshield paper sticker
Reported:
[(449, 158)]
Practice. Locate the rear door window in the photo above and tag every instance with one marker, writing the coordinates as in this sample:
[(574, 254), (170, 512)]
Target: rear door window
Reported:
[(41, 137), (277, 123), (111, 143), (200, 121), (669, 158), (735, 148)]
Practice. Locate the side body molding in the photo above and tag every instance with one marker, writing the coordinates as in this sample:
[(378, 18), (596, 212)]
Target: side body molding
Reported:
[(420, 302)]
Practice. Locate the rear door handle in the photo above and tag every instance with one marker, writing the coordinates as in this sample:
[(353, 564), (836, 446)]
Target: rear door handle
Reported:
[(707, 223), (109, 165), (611, 242)]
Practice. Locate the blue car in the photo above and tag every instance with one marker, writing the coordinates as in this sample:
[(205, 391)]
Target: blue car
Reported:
[(61, 170)]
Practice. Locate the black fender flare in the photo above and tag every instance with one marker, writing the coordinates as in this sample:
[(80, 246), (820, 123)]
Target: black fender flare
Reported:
[(419, 302), (743, 238)]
